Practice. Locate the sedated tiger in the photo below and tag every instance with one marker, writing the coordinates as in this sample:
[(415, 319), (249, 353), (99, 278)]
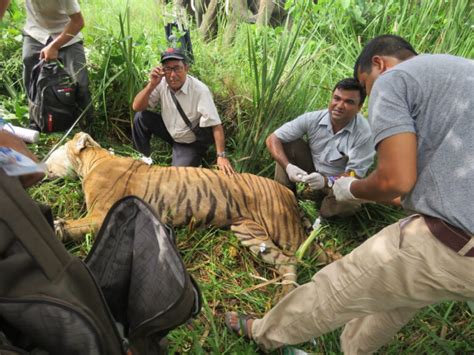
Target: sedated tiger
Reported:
[(262, 213)]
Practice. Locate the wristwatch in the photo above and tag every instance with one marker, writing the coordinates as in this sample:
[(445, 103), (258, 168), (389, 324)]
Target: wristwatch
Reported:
[(222, 154)]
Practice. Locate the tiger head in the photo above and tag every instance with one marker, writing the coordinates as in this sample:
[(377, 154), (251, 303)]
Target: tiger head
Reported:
[(65, 160)]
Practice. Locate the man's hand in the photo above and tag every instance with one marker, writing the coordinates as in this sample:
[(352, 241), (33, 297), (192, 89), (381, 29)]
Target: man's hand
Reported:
[(225, 165), (155, 76), (73, 27), (11, 141), (140, 102), (314, 180), (295, 174), (49, 53), (342, 189)]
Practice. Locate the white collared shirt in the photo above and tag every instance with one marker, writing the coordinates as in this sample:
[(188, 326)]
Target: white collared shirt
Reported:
[(196, 101), (48, 18), (350, 149)]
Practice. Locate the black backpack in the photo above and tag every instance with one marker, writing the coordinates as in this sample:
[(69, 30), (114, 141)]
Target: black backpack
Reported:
[(142, 275), (52, 95), (50, 301)]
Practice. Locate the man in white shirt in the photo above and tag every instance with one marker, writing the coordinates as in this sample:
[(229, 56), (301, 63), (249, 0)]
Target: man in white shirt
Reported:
[(339, 142), (175, 90), (52, 31)]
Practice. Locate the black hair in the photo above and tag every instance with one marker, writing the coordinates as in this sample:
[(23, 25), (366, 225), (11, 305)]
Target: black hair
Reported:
[(352, 85), (388, 45)]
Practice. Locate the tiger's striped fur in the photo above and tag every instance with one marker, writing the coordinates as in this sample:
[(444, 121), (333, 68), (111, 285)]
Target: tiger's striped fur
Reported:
[(262, 213)]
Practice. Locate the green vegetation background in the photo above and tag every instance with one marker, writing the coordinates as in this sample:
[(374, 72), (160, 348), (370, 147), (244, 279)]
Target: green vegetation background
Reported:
[(262, 78)]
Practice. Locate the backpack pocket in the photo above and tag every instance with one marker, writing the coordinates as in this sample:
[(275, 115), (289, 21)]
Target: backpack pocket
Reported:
[(50, 324), (59, 106)]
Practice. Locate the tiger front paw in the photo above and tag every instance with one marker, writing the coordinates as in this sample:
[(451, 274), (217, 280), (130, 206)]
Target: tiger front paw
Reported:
[(60, 229)]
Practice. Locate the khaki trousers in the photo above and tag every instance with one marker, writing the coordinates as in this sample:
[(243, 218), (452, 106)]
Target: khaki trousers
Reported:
[(375, 289), (299, 154)]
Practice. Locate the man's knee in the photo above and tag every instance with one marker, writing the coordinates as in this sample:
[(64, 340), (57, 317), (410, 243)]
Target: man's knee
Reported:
[(187, 155), (145, 117), (143, 120), (282, 177), (330, 207), (137, 118)]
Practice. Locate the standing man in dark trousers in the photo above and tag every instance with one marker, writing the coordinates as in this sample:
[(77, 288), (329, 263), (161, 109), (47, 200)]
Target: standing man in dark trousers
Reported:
[(421, 111), (170, 85), (51, 32)]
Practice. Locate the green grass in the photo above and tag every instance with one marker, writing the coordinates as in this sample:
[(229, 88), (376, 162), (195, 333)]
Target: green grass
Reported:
[(265, 77), (230, 278)]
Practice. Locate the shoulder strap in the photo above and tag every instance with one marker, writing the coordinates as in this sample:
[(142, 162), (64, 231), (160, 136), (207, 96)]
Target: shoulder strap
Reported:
[(180, 109), (34, 76)]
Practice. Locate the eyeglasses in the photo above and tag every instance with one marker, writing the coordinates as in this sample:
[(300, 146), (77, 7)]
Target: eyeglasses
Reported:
[(177, 70)]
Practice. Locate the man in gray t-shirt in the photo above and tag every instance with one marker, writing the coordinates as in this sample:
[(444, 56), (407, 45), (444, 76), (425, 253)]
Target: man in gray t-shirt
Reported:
[(339, 143), (421, 111)]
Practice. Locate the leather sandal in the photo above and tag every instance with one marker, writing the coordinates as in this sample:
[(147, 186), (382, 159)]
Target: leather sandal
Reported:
[(241, 327)]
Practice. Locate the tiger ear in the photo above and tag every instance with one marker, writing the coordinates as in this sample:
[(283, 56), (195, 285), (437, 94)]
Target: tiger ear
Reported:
[(82, 141)]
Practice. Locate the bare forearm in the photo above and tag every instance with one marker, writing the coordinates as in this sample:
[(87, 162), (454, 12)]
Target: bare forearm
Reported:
[(219, 138), (222, 162), (275, 147), (140, 102), (73, 27), (375, 188), (395, 174)]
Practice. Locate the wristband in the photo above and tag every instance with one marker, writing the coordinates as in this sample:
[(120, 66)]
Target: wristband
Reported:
[(331, 180), (222, 154)]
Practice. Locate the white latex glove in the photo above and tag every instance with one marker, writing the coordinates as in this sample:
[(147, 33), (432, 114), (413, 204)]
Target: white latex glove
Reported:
[(294, 173), (314, 180), (342, 189)]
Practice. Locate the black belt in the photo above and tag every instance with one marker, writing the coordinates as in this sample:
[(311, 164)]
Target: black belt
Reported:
[(453, 237)]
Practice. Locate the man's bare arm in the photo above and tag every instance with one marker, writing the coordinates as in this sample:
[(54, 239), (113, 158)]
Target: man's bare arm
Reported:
[(396, 172), (275, 147), (140, 102), (11, 141), (222, 162), (73, 27)]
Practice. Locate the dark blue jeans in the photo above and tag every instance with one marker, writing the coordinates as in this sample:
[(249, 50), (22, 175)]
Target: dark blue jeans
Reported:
[(147, 123)]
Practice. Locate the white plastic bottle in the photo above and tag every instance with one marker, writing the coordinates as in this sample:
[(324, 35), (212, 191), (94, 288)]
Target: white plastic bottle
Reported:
[(26, 134)]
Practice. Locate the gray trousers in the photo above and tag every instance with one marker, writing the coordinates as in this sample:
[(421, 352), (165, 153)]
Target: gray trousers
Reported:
[(299, 154), (74, 61), (147, 123)]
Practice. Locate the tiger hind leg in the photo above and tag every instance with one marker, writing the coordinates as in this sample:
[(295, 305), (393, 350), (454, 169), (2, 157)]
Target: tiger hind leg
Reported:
[(255, 237)]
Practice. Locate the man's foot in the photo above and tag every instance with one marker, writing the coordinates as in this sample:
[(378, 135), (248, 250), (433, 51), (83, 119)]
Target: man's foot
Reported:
[(239, 324)]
